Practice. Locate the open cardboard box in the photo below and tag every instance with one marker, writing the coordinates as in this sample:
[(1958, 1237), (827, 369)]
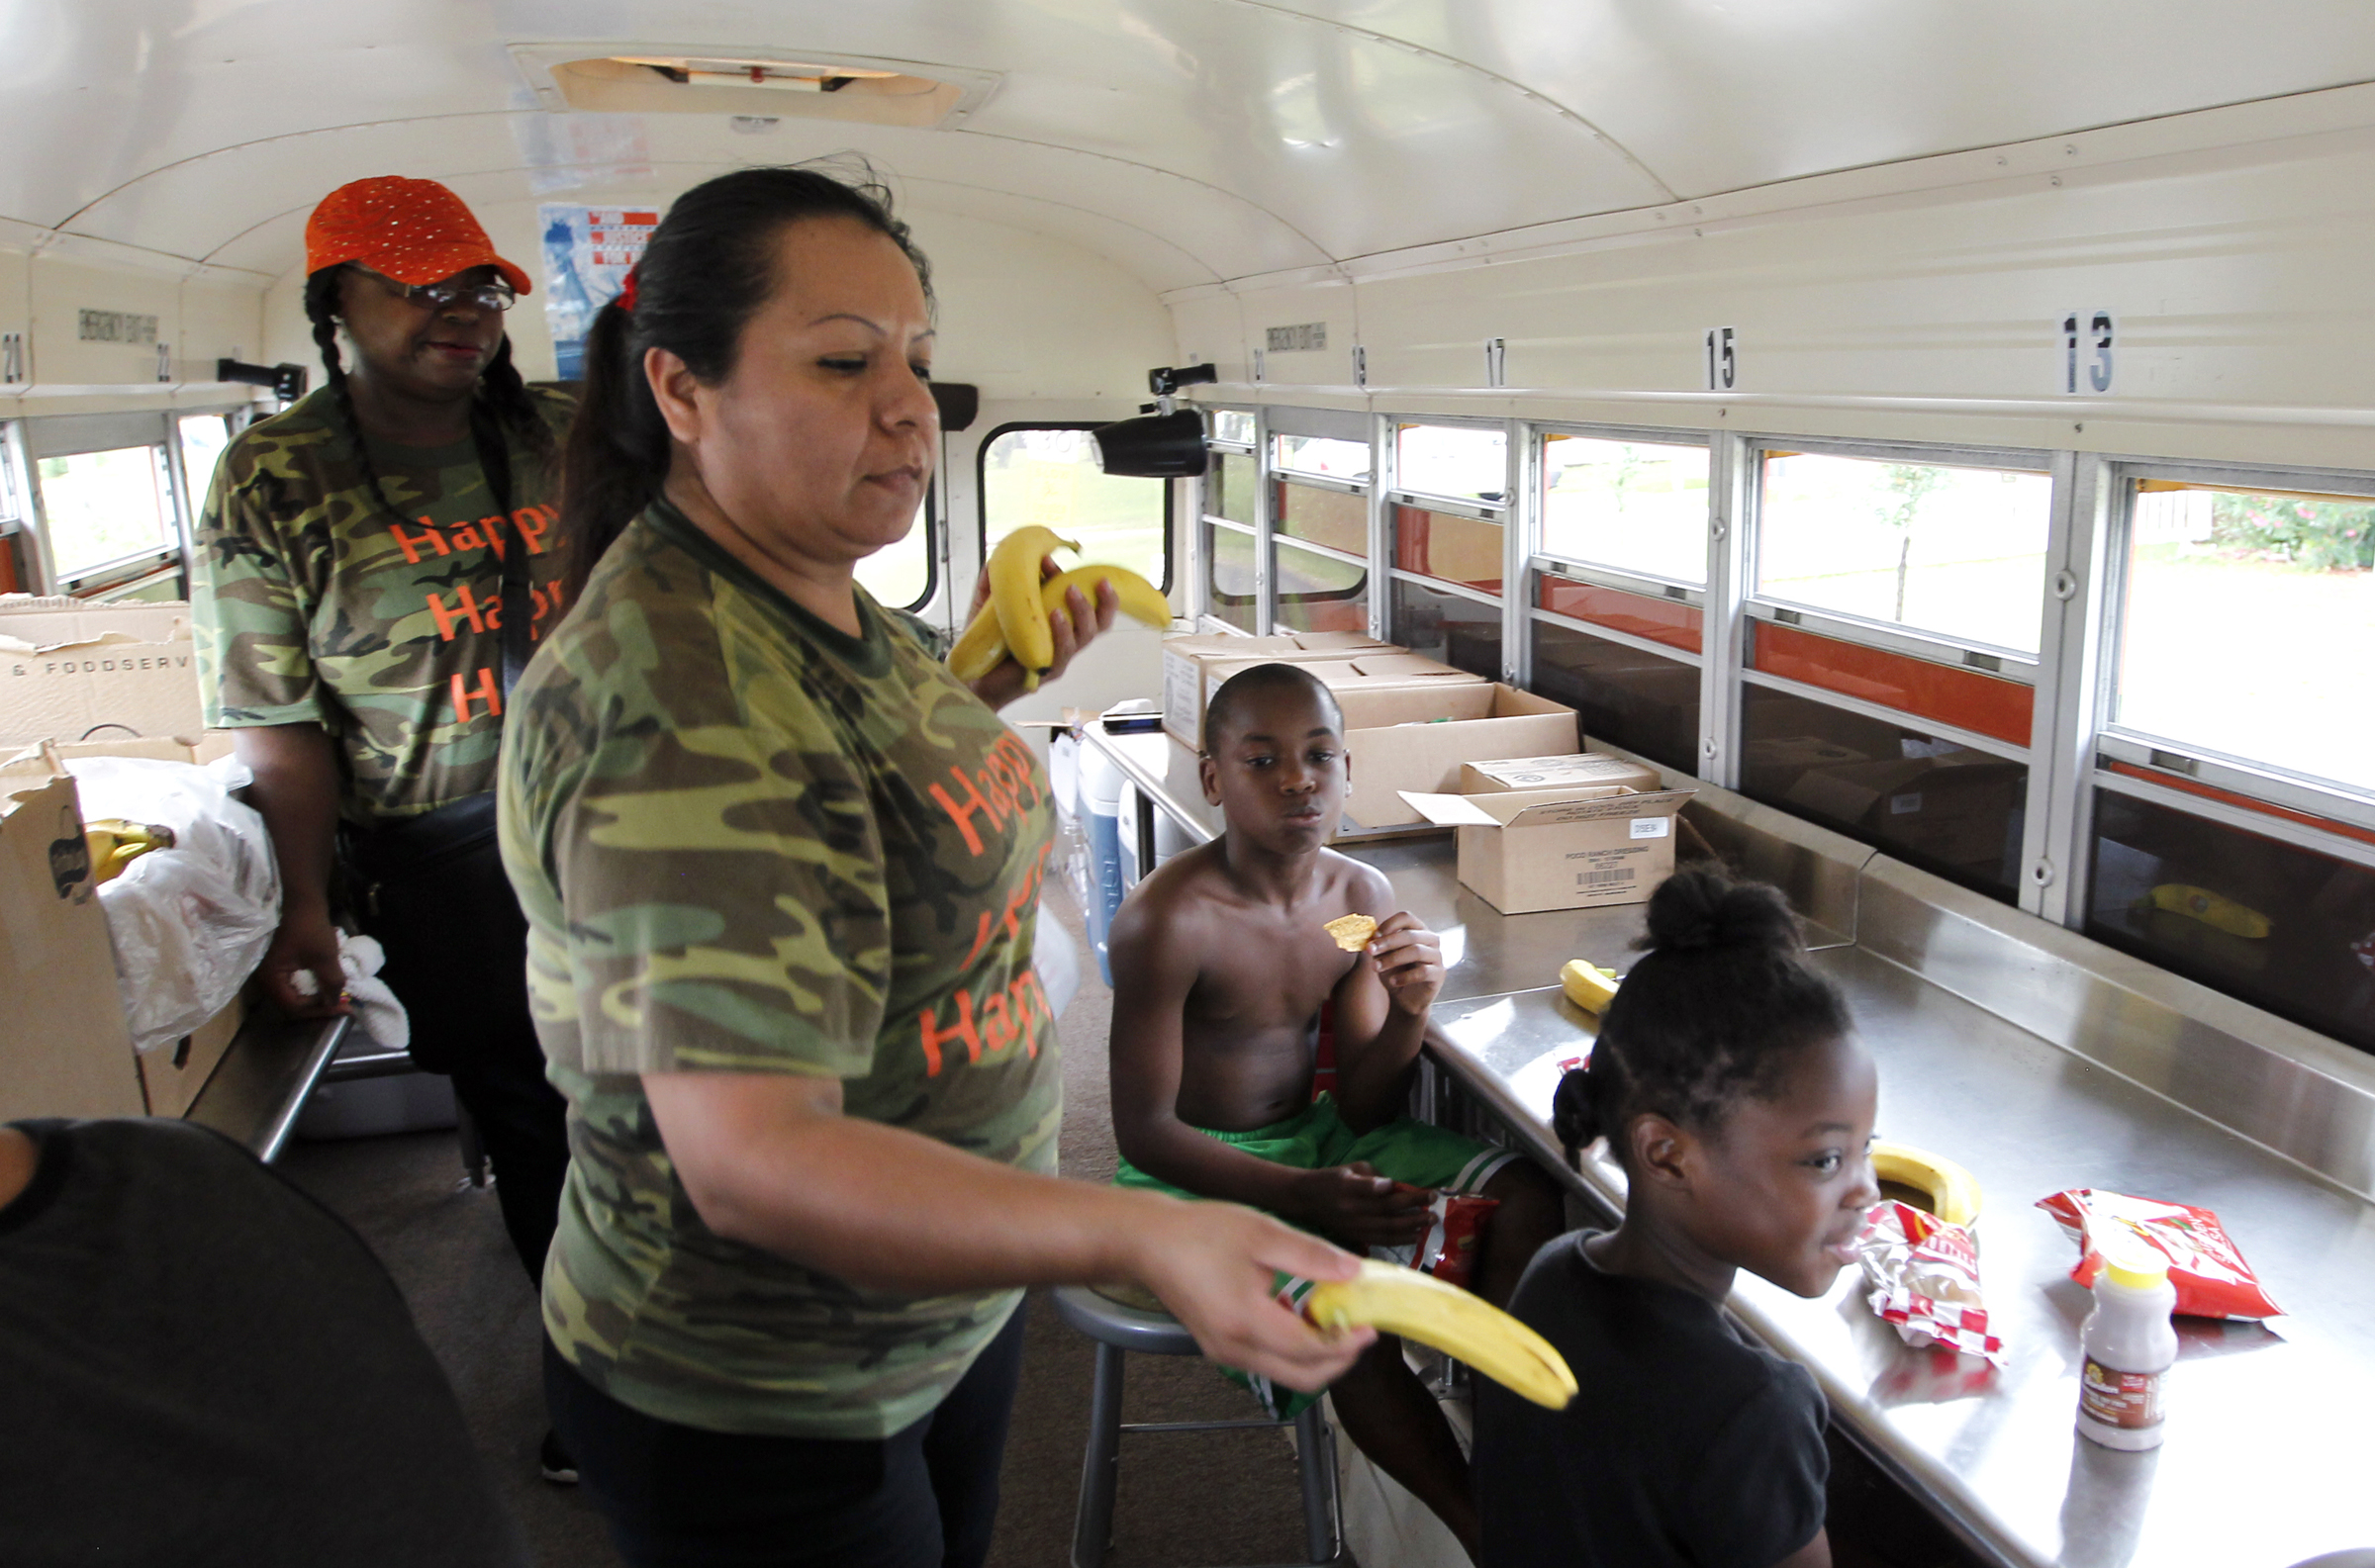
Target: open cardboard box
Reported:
[(70, 670), (1951, 808), (1574, 846), (1189, 662), (65, 1048), (1413, 739)]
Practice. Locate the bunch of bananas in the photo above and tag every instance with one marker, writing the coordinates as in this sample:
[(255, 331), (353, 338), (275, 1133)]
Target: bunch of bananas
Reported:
[(1589, 985), (1014, 621), (1953, 1191), (116, 844), (1396, 1300)]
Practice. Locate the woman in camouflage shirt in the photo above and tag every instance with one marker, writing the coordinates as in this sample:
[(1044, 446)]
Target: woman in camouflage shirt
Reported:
[(780, 870)]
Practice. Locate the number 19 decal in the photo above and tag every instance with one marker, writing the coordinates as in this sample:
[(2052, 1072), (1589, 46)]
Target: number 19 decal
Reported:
[(1721, 366), (2086, 351)]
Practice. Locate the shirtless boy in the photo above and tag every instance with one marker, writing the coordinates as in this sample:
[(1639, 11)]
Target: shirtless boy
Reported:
[(1220, 964)]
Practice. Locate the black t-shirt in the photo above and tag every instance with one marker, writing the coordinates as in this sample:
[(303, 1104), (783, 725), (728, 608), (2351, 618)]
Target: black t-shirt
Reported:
[(1687, 1444), (201, 1365)]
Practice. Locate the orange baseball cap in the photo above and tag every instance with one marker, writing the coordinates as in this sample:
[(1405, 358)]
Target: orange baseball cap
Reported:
[(411, 230)]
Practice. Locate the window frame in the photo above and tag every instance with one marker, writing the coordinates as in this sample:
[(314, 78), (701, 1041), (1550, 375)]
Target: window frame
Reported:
[(1200, 565), (1581, 568), (2252, 794), (981, 489)]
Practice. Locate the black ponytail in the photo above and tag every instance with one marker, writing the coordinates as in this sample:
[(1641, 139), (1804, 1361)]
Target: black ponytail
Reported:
[(502, 411), (707, 268), (1717, 1009)]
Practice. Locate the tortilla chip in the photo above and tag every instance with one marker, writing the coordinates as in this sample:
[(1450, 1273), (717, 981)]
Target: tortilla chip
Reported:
[(1352, 932)]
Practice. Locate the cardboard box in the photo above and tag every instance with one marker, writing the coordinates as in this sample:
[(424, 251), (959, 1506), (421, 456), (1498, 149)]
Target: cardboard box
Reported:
[(1948, 808), (1581, 847), (1579, 770), (1774, 764), (64, 1047), (1187, 683), (65, 1050), (1414, 738), (68, 669)]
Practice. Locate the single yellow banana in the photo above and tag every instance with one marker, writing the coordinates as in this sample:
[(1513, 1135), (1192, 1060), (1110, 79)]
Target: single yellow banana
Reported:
[(1139, 598), (1953, 1191), (1015, 593), (979, 649), (1417, 1306), (1587, 985), (2214, 910)]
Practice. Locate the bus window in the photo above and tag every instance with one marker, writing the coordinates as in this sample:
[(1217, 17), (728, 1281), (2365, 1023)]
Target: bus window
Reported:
[(1234, 426), (1318, 591), (1229, 487), (1637, 505), (1621, 694), (1456, 461), (1957, 552), (1452, 627), (900, 575), (203, 439), (1050, 475), (105, 508), (1950, 808), (1229, 562), (1336, 518), (2246, 618), (2275, 924), (1324, 455)]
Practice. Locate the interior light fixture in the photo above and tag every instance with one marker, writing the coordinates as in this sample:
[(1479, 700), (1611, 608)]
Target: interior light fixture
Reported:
[(792, 76)]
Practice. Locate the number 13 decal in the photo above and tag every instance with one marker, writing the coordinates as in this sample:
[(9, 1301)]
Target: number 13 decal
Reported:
[(2086, 351)]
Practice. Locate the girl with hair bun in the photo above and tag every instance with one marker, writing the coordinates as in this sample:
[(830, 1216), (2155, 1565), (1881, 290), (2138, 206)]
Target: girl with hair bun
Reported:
[(1730, 1087)]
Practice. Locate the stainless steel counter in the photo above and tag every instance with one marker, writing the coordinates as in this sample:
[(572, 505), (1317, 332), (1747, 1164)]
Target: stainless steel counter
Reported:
[(2033, 1093), (261, 1086)]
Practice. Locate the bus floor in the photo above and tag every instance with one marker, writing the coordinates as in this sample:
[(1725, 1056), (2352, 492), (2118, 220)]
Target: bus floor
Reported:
[(1185, 1501)]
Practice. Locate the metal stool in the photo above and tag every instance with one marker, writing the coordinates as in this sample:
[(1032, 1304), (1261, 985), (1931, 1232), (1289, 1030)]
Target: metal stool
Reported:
[(1117, 1327)]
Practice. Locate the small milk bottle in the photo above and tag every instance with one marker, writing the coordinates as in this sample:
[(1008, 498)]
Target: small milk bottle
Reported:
[(2129, 1347)]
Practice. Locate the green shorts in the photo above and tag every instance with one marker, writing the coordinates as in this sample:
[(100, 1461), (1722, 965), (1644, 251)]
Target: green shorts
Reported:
[(1403, 1150)]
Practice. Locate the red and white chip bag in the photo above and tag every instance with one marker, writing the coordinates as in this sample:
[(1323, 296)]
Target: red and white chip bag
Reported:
[(2210, 1276), (1454, 1222), (1925, 1279)]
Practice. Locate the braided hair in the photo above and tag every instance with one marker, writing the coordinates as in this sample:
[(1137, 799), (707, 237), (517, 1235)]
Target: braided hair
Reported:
[(500, 410), (1719, 1009)]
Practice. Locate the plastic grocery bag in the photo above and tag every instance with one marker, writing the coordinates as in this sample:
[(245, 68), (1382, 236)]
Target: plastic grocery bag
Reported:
[(191, 922)]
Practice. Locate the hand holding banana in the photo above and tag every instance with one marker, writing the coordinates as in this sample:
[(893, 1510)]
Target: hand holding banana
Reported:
[(1014, 621)]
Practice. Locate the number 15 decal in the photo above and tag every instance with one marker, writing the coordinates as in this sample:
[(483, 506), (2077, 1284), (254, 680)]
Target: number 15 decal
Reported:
[(1721, 366), (2086, 351)]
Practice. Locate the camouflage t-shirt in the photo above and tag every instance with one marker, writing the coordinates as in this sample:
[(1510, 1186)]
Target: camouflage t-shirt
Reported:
[(315, 604), (747, 842)]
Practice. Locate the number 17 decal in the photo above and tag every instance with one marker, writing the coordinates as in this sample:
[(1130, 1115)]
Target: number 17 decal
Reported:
[(2086, 351)]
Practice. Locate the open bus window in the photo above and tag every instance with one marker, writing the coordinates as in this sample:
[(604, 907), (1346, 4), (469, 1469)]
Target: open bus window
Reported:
[(1458, 461), (99, 508), (203, 437), (1639, 506), (900, 575), (1050, 475), (1954, 551), (1324, 455), (2247, 618)]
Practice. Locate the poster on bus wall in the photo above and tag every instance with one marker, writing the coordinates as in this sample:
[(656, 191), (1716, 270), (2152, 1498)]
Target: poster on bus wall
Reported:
[(587, 254)]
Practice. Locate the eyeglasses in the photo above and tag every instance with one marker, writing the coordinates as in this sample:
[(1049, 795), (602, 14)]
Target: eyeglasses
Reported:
[(494, 294)]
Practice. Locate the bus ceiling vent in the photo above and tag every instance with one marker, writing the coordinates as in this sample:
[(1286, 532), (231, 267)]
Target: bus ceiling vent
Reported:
[(754, 91)]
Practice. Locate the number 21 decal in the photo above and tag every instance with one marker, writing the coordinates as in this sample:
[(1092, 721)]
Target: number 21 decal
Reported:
[(2086, 362)]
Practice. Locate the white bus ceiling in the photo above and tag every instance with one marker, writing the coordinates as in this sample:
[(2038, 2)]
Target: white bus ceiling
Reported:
[(1885, 201)]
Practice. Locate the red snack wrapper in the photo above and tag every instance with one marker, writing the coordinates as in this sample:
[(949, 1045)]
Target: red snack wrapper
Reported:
[(1449, 1248), (2210, 1276), (1925, 1279)]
